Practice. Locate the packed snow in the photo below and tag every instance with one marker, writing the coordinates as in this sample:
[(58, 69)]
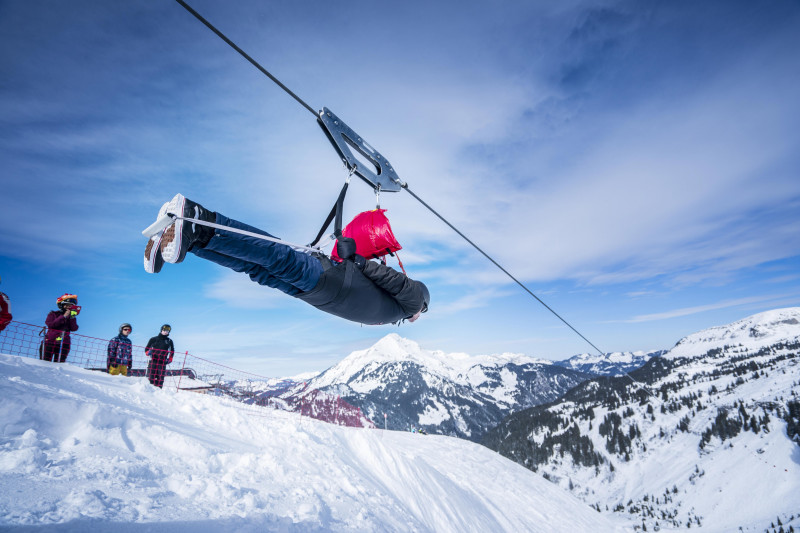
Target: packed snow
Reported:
[(85, 451)]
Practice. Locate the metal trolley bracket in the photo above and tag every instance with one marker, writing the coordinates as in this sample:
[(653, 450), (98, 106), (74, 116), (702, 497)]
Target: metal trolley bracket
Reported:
[(345, 140)]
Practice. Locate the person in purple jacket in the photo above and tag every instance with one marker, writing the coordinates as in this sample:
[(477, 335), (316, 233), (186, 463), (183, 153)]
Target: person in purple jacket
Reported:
[(59, 325), (120, 352)]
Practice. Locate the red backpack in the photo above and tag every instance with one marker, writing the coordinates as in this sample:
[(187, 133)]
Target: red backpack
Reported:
[(372, 233)]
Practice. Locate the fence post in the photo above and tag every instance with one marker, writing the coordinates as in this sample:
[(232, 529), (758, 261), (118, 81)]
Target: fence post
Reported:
[(183, 366)]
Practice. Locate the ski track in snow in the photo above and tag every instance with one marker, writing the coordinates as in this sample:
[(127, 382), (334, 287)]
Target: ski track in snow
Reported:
[(85, 451)]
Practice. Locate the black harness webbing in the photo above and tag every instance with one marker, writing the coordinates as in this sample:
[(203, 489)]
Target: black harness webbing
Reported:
[(336, 212)]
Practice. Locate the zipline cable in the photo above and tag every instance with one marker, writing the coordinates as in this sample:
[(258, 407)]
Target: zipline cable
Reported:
[(247, 57), (506, 272), (403, 185), (526, 289)]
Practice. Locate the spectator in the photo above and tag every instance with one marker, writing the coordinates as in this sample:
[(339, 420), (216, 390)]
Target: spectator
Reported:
[(120, 352), (160, 350), (60, 323), (5, 310)]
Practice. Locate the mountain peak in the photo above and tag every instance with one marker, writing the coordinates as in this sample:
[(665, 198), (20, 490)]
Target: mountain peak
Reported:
[(395, 349), (755, 331), (394, 344)]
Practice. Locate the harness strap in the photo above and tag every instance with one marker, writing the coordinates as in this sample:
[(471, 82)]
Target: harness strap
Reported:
[(348, 276), (336, 212)]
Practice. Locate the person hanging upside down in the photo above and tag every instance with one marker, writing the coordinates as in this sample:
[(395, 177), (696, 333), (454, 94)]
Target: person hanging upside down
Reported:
[(354, 289)]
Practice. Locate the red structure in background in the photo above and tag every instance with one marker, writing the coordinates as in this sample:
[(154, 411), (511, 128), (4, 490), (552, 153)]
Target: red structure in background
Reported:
[(323, 406), (188, 372)]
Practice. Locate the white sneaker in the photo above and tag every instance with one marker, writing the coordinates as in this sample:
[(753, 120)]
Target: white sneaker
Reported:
[(153, 261), (180, 237), (173, 234)]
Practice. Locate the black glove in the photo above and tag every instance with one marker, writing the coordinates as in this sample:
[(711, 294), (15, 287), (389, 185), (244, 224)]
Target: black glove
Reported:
[(346, 247), (359, 261)]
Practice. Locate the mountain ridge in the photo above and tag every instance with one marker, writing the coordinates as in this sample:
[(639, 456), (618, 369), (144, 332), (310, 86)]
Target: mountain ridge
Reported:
[(684, 440), (452, 394)]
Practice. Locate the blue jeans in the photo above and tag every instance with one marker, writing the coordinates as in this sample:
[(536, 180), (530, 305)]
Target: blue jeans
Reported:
[(267, 263)]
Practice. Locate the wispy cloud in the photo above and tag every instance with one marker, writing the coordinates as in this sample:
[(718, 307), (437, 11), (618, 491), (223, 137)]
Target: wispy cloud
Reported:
[(709, 307), (473, 300), (607, 145), (238, 291)]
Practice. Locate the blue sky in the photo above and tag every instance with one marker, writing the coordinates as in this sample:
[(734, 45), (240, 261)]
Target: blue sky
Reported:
[(635, 164)]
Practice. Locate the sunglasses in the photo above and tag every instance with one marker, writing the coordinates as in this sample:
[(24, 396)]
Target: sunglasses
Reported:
[(126, 329)]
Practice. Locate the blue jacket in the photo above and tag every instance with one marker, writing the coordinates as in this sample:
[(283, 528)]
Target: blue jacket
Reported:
[(120, 351)]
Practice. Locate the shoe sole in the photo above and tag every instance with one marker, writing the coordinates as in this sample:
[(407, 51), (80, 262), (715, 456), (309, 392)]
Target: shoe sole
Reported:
[(153, 261), (172, 240)]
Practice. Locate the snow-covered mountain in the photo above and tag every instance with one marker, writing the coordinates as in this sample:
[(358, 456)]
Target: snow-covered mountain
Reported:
[(450, 394), (83, 451), (706, 434), (610, 364), (754, 332)]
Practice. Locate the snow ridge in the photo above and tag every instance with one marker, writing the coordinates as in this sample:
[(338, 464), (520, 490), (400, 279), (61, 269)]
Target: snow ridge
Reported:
[(83, 451), (402, 386), (752, 332), (609, 364), (709, 446)]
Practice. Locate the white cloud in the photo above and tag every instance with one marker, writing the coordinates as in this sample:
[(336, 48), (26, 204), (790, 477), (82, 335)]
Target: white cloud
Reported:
[(709, 307), (238, 291)]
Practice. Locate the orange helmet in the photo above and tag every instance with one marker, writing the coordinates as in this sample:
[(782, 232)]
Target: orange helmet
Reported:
[(67, 299)]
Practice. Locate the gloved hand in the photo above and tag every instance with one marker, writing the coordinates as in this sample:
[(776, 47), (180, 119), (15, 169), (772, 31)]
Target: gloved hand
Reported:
[(346, 248), (359, 261)]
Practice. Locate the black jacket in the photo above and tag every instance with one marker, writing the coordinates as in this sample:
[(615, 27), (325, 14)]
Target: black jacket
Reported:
[(377, 295), (160, 347)]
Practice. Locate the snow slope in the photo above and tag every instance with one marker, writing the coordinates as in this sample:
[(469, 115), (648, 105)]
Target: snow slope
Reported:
[(665, 477), (85, 451), (746, 481), (762, 329)]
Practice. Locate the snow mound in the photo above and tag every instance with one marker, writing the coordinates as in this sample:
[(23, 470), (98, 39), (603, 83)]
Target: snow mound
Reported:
[(81, 449), (753, 332)]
